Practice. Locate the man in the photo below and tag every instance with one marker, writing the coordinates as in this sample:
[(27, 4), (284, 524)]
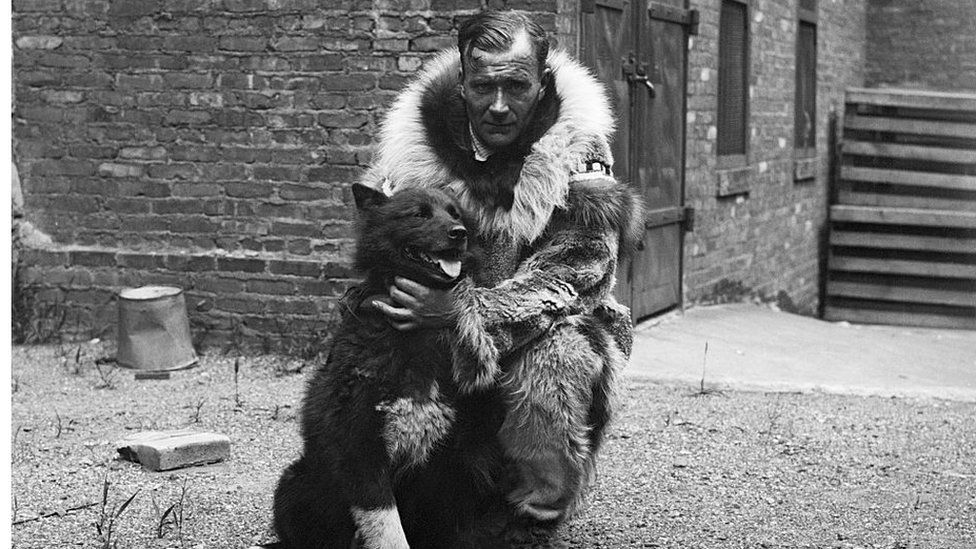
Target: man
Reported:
[(521, 136)]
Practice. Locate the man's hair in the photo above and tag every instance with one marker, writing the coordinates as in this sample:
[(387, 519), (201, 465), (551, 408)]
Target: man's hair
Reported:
[(496, 31)]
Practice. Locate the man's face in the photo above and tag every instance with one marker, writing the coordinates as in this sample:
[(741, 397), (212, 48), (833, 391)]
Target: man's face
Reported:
[(501, 90)]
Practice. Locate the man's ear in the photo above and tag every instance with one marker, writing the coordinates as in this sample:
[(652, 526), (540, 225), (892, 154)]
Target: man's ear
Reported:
[(367, 197), (461, 83), (546, 82)]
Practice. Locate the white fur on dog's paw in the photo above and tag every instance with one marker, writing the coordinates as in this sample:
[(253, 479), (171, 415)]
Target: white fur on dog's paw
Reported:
[(379, 529)]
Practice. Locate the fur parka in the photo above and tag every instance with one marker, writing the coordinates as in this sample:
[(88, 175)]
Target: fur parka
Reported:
[(538, 320), (552, 244)]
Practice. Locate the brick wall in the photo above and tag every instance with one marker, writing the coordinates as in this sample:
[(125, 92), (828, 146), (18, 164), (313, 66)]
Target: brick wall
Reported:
[(929, 44), (210, 144), (764, 233)]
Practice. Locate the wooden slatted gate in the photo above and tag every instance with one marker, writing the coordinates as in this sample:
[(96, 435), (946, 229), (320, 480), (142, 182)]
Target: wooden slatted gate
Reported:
[(903, 216)]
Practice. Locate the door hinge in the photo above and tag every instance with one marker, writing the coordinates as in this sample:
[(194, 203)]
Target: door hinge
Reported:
[(688, 219), (672, 14)]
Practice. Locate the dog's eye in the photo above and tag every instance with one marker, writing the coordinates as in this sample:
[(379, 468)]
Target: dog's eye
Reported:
[(424, 212), (452, 211)]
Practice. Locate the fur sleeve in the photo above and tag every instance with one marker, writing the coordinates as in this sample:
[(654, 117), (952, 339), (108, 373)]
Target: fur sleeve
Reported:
[(571, 271)]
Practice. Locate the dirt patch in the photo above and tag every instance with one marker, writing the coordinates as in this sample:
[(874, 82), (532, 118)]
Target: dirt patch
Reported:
[(717, 471)]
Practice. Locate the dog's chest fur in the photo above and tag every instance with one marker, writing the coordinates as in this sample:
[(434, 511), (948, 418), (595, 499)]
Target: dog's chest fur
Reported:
[(401, 381)]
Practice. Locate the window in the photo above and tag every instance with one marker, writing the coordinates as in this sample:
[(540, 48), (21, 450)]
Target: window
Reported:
[(805, 103), (733, 82)]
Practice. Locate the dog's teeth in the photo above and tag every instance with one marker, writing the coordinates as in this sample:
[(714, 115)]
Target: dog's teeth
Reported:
[(451, 268)]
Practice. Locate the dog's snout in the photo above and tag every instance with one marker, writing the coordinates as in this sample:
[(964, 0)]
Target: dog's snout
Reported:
[(457, 233)]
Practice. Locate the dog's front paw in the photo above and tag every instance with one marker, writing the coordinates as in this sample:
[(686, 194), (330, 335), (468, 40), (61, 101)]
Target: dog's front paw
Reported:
[(378, 529)]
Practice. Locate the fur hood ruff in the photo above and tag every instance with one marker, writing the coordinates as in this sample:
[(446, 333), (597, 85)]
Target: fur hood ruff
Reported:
[(581, 132)]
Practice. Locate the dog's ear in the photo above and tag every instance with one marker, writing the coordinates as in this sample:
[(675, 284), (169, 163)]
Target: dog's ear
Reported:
[(367, 197)]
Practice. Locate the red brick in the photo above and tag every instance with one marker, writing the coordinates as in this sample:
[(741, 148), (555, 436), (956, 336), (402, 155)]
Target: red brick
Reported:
[(300, 246), (36, 5), (319, 63), (343, 120), (295, 268), (241, 264), (283, 228), (127, 205), (248, 190), (143, 223), (44, 258), (333, 269), (295, 307), (244, 5), (296, 43), (334, 174), (188, 118), (133, 8), (276, 173), (39, 42), (348, 82), (240, 305), (195, 44), (166, 450), (140, 261), (305, 192), (273, 287), (190, 262), (220, 285)]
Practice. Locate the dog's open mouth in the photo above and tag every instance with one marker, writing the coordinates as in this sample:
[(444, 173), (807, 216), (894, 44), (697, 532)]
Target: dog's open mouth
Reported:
[(445, 263)]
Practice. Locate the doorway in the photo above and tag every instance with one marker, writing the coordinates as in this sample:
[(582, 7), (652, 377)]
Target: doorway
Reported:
[(639, 51)]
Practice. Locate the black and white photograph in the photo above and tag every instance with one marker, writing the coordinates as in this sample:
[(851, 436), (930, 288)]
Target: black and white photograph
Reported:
[(491, 274)]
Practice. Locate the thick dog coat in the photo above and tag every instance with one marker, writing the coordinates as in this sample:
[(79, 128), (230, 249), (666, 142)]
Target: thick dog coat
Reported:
[(384, 402)]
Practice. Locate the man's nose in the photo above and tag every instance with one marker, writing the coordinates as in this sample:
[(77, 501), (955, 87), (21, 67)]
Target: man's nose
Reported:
[(499, 104)]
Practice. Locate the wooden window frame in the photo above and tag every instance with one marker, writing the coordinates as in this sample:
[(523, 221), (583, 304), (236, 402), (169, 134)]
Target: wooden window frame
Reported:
[(810, 17), (739, 160)]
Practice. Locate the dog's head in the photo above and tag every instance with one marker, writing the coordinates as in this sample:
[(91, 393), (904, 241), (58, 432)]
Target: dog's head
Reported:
[(420, 234)]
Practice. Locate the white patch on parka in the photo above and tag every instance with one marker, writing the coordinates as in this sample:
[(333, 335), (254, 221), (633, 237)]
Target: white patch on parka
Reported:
[(582, 132)]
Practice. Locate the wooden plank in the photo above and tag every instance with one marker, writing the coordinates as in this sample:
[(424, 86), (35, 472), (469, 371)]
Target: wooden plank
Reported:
[(869, 316), (852, 198), (663, 216), (890, 241), (910, 152), (910, 126), (907, 177), (901, 267), (913, 98), (903, 216), (906, 294)]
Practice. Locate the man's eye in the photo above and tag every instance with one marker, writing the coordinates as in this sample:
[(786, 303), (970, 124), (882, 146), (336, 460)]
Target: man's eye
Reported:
[(481, 88), (518, 86)]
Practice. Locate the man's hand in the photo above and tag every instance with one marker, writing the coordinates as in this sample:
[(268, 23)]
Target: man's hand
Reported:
[(412, 306)]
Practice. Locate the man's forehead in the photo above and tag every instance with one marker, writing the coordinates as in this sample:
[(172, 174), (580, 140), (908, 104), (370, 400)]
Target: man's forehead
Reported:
[(520, 56)]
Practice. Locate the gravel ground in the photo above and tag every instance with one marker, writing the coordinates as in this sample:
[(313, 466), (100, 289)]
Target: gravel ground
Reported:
[(679, 470)]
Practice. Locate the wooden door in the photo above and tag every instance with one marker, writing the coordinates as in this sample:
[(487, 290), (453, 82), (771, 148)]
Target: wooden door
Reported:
[(639, 49)]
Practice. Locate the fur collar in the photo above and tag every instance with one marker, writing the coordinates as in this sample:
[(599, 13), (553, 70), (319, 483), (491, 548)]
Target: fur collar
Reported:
[(581, 129)]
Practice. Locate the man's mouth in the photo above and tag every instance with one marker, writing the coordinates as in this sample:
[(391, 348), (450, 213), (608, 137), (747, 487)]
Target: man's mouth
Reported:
[(447, 262), (492, 126)]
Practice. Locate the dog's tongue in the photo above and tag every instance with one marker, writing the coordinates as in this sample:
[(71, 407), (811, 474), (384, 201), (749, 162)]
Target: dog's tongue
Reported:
[(451, 268)]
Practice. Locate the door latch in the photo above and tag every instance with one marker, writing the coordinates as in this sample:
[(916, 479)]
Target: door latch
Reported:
[(637, 74)]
